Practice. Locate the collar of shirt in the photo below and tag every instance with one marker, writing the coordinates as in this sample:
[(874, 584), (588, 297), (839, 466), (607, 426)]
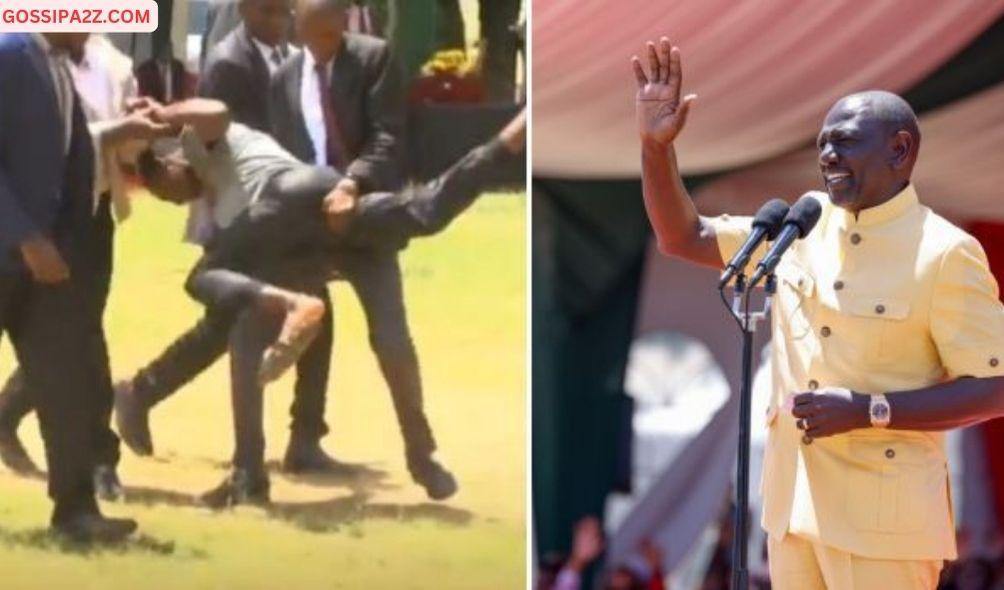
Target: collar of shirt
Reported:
[(266, 52), (309, 65), (903, 202)]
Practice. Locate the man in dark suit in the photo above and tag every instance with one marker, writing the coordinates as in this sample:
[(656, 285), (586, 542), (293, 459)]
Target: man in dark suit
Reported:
[(237, 74), (46, 185), (338, 103), (353, 120), (237, 70), (222, 17)]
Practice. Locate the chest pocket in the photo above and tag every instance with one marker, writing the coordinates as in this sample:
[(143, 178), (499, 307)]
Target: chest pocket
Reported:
[(872, 325)]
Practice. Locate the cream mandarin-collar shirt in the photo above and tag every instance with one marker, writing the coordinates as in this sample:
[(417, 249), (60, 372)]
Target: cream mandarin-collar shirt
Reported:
[(890, 300)]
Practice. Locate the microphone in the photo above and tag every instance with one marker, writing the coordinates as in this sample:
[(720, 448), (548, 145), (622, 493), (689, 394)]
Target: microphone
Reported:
[(801, 218), (766, 225)]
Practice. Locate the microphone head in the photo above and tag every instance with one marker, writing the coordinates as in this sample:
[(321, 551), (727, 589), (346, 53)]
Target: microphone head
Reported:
[(804, 214), (770, 217)]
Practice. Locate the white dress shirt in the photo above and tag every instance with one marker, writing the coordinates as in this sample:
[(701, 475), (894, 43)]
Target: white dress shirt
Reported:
[(104, 81), (61, 84), (310, 106), (267, 53)]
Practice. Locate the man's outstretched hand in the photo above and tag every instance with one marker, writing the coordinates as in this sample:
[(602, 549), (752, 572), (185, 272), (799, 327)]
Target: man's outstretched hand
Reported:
[(660, 112)]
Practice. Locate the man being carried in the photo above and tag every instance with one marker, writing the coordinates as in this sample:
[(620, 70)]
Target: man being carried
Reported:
[(276, 220)]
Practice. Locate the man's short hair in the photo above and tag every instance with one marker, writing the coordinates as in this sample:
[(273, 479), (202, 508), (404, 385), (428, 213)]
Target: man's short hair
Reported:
[(893, 111), (303, 6)]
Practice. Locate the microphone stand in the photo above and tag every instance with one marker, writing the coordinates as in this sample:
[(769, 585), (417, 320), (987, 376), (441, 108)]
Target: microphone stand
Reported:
[(747, 321)]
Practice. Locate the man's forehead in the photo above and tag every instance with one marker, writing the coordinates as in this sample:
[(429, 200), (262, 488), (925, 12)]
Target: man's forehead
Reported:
[(853, 111)]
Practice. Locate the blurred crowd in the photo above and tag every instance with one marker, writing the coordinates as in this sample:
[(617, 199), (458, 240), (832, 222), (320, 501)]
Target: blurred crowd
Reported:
[(567, 571)]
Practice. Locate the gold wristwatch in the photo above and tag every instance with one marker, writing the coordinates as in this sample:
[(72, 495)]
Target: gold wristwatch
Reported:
[(878, 411)]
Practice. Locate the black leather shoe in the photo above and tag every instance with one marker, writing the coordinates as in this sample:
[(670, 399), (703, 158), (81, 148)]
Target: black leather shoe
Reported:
[(132, 418), (438, 482), (240, 487), (14, 455), (106, 483), (94, 528), (307, 456)]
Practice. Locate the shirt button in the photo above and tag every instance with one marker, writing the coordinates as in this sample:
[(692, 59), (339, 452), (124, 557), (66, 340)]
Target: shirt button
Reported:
[(994, 362), (838, 285), (879, 309), (806, 439), (855, 239), (813, 385), (825, 331), (889, 453)]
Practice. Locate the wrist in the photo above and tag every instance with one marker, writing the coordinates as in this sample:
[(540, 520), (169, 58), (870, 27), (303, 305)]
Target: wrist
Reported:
[(879, 411), (651, 145), (862, 403)]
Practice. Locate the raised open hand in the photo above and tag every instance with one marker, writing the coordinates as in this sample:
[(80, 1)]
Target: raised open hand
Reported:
[(659, 110)]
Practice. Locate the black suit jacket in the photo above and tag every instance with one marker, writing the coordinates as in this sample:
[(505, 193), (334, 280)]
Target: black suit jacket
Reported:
[(368, 101), (42, 189), (236, 74)]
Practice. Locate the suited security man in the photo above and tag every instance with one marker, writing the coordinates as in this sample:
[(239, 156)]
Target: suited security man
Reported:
[(338, 103), (46, 180), (237, 73), (237, 70), (103, 79)]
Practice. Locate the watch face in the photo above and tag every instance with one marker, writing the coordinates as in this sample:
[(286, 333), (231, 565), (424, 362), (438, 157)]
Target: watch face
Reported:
[(880, 411)]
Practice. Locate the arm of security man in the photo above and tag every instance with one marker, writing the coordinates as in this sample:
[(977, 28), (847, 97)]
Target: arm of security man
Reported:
[(661, 115), (966, 327), (209, 118)]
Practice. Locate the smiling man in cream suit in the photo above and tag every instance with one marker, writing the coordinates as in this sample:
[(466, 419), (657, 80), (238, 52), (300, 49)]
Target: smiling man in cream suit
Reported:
[(887, 331)]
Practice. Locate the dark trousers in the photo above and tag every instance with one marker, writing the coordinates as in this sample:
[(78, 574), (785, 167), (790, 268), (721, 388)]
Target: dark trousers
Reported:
[(46, 327), (199, 347), (93, 272)]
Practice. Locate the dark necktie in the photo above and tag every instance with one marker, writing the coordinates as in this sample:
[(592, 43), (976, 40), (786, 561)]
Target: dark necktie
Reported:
[(335, 156), (276, 57)]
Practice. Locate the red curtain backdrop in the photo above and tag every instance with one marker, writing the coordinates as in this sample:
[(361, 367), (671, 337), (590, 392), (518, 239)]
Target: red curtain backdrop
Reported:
[(991, 235), (960, 172), (765, 72)]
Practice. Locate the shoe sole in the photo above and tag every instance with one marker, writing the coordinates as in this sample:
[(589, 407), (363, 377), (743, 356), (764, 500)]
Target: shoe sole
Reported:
[(281, 356)]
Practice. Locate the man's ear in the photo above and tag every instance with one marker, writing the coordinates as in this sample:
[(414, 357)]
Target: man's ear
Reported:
[(902, 147)]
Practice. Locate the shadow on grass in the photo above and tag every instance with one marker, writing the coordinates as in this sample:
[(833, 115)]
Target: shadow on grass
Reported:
[(340, 514), (350, 511), (45, 540), (360, 478)]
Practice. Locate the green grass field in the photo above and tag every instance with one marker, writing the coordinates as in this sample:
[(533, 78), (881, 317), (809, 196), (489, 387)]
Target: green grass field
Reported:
[(465, 291)]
